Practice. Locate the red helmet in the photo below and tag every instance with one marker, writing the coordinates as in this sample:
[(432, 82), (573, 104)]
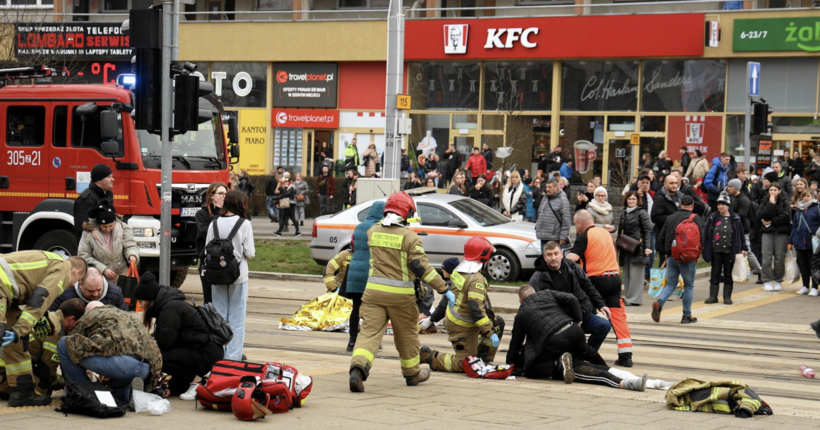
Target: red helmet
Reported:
[(401, 204), (479, 249)]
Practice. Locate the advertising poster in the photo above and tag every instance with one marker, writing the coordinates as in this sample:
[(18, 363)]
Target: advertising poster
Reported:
[(695, 132), (253, 134), (72, 40), (305, 84)]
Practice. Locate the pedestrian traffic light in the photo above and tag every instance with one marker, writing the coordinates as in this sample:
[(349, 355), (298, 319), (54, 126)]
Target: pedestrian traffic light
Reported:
[(760, 117), (144, 28)]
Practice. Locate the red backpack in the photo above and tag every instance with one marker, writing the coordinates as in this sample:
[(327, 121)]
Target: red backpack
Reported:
[(686, 246), (474, 367)]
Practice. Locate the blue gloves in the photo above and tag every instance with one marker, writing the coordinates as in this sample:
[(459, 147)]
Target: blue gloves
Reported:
[(336, 290), (451, 298), (9, 337), (494, 338)]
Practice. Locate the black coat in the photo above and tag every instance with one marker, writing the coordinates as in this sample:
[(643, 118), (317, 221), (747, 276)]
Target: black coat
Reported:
[(539, 317), (742, 205), (203, 221), (483, 195), (537, 195), (246, 186), (663, 207), (453, 162), (178, 324), (488, 157), (663, 243), (814, 172), (797, 167), (409, 185), (663, 166), (685, 159), (112, 295), (635, 224), (270, 186), (588, 297), (88, 199), (780, 214)]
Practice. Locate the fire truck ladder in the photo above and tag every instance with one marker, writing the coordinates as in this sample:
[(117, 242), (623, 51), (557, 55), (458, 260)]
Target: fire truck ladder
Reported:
[(16, 73)]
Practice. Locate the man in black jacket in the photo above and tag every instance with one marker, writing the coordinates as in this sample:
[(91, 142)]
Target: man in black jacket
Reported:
[(784, 179), (556, 273), (549, 321), (674, 269), (452, 162), (685, 159), (93, 287), (270, 191), (487, 153), (667, 202), (101, 184)]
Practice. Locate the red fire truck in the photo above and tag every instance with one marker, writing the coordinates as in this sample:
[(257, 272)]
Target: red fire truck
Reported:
[(54, 134)]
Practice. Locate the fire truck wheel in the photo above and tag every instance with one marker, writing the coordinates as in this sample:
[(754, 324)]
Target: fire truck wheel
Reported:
[(60, 242), (178, 277)]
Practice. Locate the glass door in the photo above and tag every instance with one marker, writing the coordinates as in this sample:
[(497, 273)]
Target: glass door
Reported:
[(618, 156)]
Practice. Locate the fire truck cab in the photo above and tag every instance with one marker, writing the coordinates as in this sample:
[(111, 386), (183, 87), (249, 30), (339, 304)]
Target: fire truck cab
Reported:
[(52, 135)]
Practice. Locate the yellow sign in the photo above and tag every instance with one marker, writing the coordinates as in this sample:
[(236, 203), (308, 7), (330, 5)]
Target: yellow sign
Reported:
[(636, 139), (402, 102), (253, 136)]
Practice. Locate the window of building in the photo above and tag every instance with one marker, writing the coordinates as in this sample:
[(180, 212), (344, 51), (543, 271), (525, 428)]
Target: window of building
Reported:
[(364, 4), (653, 123), (448, 85), (515, 86), (60, 127), (115, 5), (581, 137), (276, 4), (86, 134), (788, 84), (492, 122), (735, 139), (26, 3), (600, 86), (25, 125), (796, 124), (684, 85), (236, 91)]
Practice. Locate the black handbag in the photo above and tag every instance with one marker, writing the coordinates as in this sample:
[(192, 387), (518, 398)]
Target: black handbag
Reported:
[(128, 284), (627, 243)]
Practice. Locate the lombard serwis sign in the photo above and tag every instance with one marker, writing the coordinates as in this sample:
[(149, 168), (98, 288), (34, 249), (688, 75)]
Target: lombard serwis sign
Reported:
[(305, 84), (72, 40)]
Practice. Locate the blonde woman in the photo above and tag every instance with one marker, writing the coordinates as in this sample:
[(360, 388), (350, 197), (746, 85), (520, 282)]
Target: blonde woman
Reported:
[(371, 157), (514, 198), (458, 187), (664, 164)]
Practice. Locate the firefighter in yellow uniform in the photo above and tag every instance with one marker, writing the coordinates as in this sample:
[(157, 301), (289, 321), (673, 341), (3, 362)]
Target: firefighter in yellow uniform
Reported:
[(44, 361), (470, 321), (336, 269), (29, 283), (397, 259)]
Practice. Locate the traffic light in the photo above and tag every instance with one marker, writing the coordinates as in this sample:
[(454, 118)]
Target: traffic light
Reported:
[(760, 117), (144, 28)]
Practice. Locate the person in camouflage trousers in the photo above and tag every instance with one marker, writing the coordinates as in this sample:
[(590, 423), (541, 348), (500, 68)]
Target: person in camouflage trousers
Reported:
[(29, 282), (110, 343)]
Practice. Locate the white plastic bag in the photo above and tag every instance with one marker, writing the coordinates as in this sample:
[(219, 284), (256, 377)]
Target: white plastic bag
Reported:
[(739, 269), (152, 403), (792, 271)]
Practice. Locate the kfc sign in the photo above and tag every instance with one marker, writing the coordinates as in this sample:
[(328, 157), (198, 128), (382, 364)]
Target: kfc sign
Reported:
[(494, 37), (305, 118), (694, 130), (699, 132), (455, 38)]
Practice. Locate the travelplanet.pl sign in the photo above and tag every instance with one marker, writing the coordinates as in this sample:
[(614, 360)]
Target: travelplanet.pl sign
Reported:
[(777, 34), (305, 118)]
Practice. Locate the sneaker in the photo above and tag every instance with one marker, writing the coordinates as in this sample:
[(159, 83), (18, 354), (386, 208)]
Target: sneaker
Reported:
[(688, 320), (636, 384), (803, 291), (768, 286), (190, 394), (777, 286), (813, 292), (569, 373), (656, 311), (277, 234), (759, 281), (816, 327), (298, 234), (137, 384), (301, 223)]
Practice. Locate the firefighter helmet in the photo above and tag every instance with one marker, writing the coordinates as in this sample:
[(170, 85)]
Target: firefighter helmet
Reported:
[(478, 249), (401, 204)]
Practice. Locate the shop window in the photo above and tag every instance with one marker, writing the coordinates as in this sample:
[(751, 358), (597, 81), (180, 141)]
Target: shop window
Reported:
[(364, 4), (517, 86), (600, 86), (276, 5), (684, 85), (581, 136), (788, 84), (24, 3), (796, 124), (60, 127), (465, 122), (25, 125), (431, 134), (492, 122), (287, 148), (115, 5), (244, 84), (653, 123), (621, 123), (444, 85), (735, 138)]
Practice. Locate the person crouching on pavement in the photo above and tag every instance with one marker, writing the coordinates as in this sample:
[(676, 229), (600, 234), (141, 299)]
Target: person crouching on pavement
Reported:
[(183, 337), (429, 317), (550, 322), (471, 315), (722, 240), (110, 343)]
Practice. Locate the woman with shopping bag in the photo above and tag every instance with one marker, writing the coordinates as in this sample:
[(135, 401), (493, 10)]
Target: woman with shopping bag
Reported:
[(802, 238), (107, 242), (775, 217), (723, 240), (634, 246)]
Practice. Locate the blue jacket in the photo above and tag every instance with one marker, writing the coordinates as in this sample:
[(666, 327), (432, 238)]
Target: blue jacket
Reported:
[(112, 295), (716, 180), (738, 238), (360, 263), (530, 209), (565, 171), (800, 235)]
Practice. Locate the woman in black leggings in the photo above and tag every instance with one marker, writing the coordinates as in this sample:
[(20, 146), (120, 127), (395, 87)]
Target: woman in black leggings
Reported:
[(289, 195)]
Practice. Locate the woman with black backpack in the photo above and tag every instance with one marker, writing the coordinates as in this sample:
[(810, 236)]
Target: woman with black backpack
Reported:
[(183, 337), (230, 299)]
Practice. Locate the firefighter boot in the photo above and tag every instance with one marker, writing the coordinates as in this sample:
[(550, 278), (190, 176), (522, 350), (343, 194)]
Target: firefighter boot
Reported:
[(426, 355), (357, 377), (713, 293), (727, 294), (27, 398), (412, 381), (624, 359)]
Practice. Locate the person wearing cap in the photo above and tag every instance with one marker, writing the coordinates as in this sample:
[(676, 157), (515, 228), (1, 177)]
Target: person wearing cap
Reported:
[(774, 216), (716, 179), (674, 269), (742, 205), (100, 186), (107, 242), (722, 240), (182, 335)]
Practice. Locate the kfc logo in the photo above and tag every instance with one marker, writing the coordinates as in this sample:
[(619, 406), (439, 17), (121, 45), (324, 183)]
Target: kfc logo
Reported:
[(694, 130), (455, 38), (282, 118)]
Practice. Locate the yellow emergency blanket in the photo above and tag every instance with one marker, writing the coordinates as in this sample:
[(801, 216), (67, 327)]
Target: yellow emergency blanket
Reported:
[(328, 312)]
